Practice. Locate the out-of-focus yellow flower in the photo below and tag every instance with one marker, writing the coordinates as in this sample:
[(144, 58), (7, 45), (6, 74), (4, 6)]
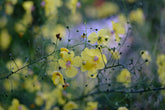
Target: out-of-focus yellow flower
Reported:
[(101, 38), (9, 8), (145, 56), (115, 54), (91, 106), (12, 1), (32, 85), (107, 9), (91, 11), (75, 18), (72, 4), (58, 29), (161, 60), (70, 106), (5, 39), (68, 62), (122, 108), (161, 68), (124, 77), (3, 22), (17, 106), (122, 18), (39, 100), (27, 5), (118, 29), (1, 108), (51, 7), (92, 60), (131, 1), (137, 16), (57, 78)]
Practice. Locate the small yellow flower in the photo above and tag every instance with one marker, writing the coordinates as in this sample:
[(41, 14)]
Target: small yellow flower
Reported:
[(57, 78), (62, 50), (92, 60), (118, 29), (17, 106), (69, 62), (145, 56), (91, 106), (124, 77), (27, 5), (70, 106), (137, 16), (5, 39), (101, 38), (122, 108)]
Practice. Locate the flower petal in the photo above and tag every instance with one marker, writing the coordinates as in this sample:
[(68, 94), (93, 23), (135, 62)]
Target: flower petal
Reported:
[(92, 38), (62, 63), (71, 72), (102, 32), (92, 73), (77, 61)]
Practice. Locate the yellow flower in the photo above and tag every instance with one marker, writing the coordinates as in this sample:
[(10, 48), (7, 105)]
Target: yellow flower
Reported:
[(57, 78), (161, 60), (1, 108), (161, 68), (137, 16), (27, 5), (9, 8), (63, 50), (70, 106), (17, 106), (92, 60), (122, 18), (124, 77), (72, 6), (68, 62), (145, 56), (3, 22), (122, 108), (51, 7), (101, 38), (118, 28), (107, 9), (91, 106), (32, 85), (5, 39)]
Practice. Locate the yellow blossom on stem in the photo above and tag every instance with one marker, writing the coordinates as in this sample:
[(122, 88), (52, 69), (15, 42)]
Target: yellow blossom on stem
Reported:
[(124, 77), (101, 38), (118, 29), (92, 60), (69, 62), (57, 78)]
